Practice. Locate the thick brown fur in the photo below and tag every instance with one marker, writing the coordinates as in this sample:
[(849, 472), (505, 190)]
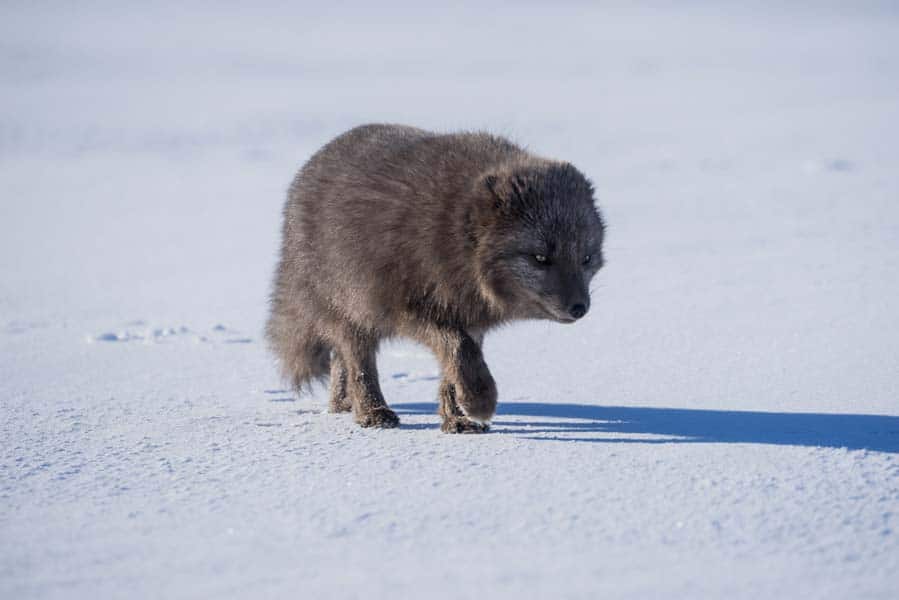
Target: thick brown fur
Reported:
[(396, 231)]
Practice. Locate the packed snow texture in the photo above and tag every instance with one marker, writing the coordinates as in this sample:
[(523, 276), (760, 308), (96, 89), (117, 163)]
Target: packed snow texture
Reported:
[(723, 424)]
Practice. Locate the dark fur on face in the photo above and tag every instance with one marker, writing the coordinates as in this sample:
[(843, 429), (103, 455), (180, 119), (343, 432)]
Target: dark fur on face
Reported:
[(545, 240), (395, 231)]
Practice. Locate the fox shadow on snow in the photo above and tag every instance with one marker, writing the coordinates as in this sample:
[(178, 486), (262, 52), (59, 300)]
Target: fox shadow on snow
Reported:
[(677, 425)]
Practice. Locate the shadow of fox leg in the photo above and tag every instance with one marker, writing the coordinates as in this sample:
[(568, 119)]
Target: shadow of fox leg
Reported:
[(340, 401), (369, 408), (464, 371)]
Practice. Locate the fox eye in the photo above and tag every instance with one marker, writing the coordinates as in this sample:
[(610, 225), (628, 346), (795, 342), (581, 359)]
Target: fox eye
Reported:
[(587, 259), (540, 258)]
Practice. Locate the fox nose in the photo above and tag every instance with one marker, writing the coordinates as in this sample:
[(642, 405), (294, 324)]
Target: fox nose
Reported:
[(577, 310)]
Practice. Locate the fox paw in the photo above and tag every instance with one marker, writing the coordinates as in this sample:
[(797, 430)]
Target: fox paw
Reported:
[(476, 394), (463, 425), (479, 404), (383, 418)]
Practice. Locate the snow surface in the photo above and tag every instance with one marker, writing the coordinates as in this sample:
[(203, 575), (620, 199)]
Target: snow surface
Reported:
[(724, 423)]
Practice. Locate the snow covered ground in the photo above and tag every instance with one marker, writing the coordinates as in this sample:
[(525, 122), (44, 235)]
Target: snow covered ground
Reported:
[(724, 424)]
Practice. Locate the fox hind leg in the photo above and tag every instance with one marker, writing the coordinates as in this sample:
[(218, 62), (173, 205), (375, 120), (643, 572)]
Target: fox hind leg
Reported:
[(362, 388)]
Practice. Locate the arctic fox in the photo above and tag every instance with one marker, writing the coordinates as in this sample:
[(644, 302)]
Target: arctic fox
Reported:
[(395, 231)]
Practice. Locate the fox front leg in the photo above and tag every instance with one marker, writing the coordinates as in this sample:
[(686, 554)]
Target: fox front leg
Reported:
[(454, 420), (467, 393)]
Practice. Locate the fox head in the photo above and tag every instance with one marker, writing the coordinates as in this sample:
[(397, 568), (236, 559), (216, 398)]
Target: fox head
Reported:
[(539, 241)]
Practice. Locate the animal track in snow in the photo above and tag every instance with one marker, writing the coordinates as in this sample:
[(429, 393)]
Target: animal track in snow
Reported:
[(834, 165), (406, 377), (140, 331), (17, 327)]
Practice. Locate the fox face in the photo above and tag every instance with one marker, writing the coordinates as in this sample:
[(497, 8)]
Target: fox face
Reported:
[(542, 244)]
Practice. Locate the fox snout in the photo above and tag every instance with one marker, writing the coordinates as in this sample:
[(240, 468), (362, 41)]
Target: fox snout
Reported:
[(574, 301), (568, 308), (574, 310), (579, 309)]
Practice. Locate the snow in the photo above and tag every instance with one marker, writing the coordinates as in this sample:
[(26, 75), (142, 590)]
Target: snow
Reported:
[(723, 424)]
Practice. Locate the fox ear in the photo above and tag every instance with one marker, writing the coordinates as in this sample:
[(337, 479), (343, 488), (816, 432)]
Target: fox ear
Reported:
[(505, 188)]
